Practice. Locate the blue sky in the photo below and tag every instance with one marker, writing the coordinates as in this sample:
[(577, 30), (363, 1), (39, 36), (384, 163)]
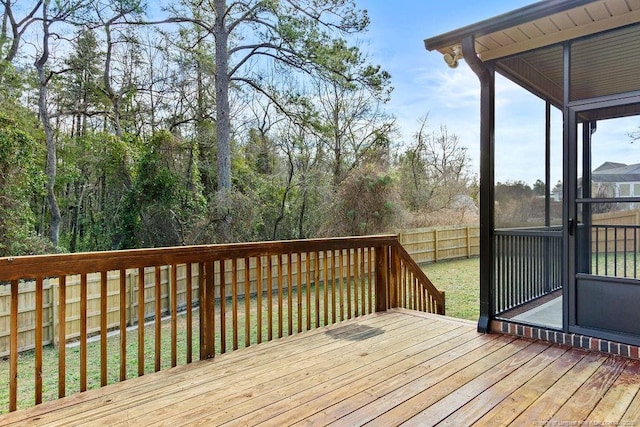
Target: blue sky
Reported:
[(425, 85)]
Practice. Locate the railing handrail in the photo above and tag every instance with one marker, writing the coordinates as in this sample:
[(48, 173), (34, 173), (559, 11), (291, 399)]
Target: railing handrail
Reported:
[(34, 266), (550, 231), (439, 295), (616, 226)]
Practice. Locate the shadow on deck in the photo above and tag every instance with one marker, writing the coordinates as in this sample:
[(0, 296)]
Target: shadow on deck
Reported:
[(384, 368)]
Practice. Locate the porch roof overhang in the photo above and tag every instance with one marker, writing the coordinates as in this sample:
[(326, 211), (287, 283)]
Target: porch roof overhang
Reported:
[(526, 46)]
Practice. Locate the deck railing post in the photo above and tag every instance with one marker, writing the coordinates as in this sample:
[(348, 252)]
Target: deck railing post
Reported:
[(382, 274)]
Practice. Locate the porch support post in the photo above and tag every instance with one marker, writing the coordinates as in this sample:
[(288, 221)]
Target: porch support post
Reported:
[(486, 75)]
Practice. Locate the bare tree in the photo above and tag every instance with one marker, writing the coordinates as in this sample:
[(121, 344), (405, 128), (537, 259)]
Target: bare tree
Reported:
[(353, 124), (13, 27), (435, 168)]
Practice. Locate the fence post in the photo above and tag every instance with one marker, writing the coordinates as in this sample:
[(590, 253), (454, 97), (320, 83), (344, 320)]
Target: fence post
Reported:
[(382, 274), (435, 245)]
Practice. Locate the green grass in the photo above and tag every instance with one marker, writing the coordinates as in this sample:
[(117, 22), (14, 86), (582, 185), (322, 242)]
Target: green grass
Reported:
[(460, 280)]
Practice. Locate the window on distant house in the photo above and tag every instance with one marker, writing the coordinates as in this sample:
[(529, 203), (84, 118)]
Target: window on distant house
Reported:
[(636, 189), (625, 190)]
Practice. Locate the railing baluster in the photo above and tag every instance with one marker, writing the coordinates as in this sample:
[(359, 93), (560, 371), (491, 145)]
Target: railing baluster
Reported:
[(13, 348), (363, 293), (370, 280), (259, 295), (615, 251), (39, 340), (189, 308), (606, 251), (349, 284), (280, 260), (270, 297), (62, 338), (410, 290), (405, 285), (624, 238), (416, 289), (158, 318), (635, 252), (247, 302), (123, 324), (290, 293), (326, 287), (499, 276), (234, 301), (316, 286), (299, 290), (173, 286), (308, 288), (103, 328), (222, 273), (597, 248), (83, 332), (340, 283), (333, 286), (356, 281), (141, 310)]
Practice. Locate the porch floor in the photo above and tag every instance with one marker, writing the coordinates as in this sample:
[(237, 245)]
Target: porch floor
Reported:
[(548, 314), (383, 369)]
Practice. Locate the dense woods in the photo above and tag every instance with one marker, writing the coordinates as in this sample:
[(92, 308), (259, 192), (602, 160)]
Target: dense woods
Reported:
[(124, 126)]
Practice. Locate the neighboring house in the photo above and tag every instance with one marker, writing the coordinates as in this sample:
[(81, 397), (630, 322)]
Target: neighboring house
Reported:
[(616, 180)]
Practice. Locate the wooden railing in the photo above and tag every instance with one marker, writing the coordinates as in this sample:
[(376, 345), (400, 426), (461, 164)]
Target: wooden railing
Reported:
[(235, 295)]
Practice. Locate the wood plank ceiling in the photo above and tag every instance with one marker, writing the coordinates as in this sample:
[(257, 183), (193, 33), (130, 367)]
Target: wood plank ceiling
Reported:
[(605, 55)]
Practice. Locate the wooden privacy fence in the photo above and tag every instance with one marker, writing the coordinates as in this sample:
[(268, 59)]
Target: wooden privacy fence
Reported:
[(73, 284), (441, 243), (298, 285), (616, 232)]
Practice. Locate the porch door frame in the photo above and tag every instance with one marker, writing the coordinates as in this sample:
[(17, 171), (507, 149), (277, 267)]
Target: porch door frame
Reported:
[(575, 270)]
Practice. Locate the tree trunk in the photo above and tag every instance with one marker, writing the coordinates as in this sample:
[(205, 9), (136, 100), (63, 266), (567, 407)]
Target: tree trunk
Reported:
[(223, 120), (114, 98), (54, 226)]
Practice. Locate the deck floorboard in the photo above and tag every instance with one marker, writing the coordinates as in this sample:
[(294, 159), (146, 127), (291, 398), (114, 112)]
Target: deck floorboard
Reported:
[(394, 368)]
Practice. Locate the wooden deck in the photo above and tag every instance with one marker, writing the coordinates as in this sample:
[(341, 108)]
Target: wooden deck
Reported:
[(381, 369)]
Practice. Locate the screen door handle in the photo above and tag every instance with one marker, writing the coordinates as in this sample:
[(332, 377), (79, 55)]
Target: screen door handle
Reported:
[(571, 225)]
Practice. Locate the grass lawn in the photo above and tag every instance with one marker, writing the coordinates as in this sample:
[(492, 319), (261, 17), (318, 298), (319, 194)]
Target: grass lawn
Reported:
[(460, 280)]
